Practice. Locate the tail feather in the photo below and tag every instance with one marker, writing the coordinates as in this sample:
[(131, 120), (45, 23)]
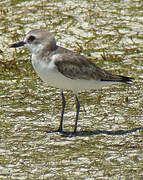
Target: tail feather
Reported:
[(123, 79)]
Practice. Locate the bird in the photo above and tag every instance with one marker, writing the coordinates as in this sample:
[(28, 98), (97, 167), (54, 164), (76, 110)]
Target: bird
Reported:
[(64, 69)]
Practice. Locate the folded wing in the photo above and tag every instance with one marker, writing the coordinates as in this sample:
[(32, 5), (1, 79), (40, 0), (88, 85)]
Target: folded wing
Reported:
[(79, 67)]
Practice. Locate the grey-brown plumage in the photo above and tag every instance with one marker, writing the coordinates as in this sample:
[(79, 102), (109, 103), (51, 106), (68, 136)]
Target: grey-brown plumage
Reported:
[(78, 67)]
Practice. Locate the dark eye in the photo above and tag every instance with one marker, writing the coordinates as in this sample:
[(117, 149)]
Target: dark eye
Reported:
[(31, 38)]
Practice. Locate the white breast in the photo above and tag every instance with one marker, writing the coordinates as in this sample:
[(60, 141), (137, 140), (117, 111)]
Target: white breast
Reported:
[(49, 73)]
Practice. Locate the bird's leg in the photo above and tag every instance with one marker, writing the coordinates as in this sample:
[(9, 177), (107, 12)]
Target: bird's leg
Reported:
[(62, 114), (77, 113)]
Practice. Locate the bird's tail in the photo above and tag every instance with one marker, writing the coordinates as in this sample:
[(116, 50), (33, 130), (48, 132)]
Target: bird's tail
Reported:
[(118, 78)]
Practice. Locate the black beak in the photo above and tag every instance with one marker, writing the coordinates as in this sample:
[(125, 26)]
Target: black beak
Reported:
[(19, 44)]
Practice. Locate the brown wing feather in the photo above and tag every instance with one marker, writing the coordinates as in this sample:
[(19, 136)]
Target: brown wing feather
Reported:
[(76, 66)]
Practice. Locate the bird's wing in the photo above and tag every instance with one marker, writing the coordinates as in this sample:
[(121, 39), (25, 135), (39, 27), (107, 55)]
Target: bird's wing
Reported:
[(76, 66)]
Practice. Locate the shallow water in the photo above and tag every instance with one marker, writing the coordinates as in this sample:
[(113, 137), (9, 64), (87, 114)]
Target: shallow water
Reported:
[(109, 143)]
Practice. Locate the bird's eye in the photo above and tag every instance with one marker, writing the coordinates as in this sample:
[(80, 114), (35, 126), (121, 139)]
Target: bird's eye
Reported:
[(31, 38)]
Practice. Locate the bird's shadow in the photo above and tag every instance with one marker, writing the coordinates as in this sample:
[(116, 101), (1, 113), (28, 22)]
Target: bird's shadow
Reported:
[(97, 132)]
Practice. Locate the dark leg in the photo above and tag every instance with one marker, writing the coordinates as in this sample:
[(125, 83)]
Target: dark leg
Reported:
[(77, 113), (62, 114)]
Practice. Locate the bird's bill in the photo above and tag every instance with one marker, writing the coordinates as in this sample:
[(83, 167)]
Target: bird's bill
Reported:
[(18, 44)]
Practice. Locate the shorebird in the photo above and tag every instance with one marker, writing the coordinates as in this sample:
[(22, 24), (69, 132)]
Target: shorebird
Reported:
[(65, 69)]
